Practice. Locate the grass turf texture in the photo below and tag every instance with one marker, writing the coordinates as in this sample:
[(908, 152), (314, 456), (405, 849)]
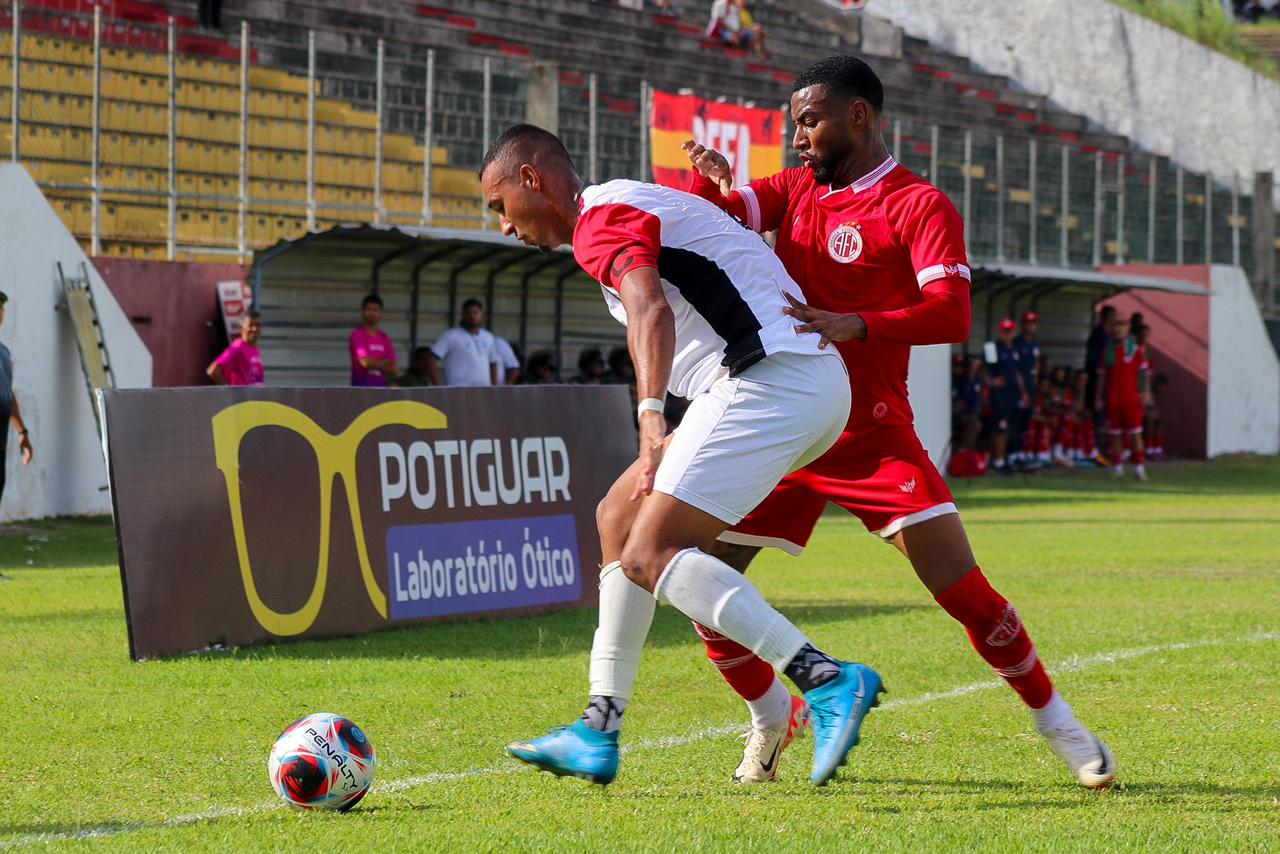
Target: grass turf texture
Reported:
[(1155, 604)]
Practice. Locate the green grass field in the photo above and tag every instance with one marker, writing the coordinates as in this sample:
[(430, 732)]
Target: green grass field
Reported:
[(1157, 607)]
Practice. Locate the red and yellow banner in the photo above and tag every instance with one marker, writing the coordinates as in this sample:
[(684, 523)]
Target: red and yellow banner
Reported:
[(749, 137)]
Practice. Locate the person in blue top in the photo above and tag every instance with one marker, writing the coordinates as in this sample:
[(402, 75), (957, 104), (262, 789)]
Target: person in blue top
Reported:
[(10, 414), (1009, 396), (1028, 351)]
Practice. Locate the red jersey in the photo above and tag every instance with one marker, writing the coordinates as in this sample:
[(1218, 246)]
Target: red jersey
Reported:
[(869, 248), (1123, 363)]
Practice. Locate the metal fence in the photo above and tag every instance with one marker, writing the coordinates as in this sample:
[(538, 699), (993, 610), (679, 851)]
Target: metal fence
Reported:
[(144, 142)]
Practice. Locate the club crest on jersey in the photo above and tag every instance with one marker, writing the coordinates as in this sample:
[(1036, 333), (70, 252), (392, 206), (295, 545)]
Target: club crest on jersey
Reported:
[(845, 243)]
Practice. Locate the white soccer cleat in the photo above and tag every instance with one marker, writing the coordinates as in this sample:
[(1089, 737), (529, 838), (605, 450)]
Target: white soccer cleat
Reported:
[(764, 747), (1085, 754)]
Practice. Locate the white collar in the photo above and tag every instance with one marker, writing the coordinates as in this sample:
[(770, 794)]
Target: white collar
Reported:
[(867, 181)]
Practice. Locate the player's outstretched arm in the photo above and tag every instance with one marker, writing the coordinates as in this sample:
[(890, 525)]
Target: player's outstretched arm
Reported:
[(710, 164), (759, 205), (651, 337)]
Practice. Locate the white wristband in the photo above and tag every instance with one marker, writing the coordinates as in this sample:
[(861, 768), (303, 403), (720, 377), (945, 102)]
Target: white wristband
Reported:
[(649, 404)]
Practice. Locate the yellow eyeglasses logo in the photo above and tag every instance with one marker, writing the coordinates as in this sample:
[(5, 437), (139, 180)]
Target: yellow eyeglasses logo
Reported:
[(336, 456)]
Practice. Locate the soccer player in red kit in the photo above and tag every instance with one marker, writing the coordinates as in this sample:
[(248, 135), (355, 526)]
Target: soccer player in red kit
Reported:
[(880, 255), (1123, 382)]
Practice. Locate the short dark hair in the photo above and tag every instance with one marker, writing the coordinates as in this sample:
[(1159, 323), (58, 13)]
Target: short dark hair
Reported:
[(523, 134), (466, 304), (371, 298), (253, 314), (589, 356), (844, 75), (1106, 311)]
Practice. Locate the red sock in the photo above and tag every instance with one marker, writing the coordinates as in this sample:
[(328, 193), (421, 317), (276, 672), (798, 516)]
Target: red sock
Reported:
[(1139, 453), (998, 635), (746, 673)]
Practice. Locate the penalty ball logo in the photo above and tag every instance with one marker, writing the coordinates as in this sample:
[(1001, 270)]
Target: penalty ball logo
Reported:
[(845, 243)]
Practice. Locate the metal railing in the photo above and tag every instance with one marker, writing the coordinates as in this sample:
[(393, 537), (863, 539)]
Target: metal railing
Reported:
[(245, 151)]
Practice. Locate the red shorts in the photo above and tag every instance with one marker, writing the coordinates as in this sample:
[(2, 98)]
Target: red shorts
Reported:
[(1124, 416), (882, 475)]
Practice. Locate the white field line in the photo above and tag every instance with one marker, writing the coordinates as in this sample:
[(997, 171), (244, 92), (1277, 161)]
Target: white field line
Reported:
[(1073, 664)]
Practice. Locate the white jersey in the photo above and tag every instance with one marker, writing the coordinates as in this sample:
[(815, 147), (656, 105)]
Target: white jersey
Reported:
[(724, 284)]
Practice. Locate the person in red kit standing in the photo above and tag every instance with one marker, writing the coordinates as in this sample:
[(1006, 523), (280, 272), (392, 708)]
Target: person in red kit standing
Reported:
[(880, 255), (1123, 383)]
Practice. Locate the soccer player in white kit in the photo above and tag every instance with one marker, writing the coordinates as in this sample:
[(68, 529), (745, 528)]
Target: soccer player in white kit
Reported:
[(702, 298)]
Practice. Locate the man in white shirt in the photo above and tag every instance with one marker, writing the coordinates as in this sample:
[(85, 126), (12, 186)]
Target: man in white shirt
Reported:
[(510, 365), (465, 355)]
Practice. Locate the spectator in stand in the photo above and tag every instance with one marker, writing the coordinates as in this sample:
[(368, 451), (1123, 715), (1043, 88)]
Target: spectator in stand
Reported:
[(373, 356), (1023, 441), (1008, 394), (541, 370), (419, 372), (10, 414), (508, 361), (968, 392), (241, 363), (1124, 387), (590, 368), (621, 371), (732, 25), (466, 355), (1099, 339)]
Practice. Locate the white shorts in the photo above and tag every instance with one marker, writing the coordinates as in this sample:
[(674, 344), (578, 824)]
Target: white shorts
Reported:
[(746, 433)]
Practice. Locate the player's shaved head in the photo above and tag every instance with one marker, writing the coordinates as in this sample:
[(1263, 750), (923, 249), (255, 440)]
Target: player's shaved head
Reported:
[(845, 76), (525, 143), (528, 180)]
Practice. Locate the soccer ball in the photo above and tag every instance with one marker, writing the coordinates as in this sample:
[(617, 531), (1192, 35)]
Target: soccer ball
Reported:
[(322, 762)]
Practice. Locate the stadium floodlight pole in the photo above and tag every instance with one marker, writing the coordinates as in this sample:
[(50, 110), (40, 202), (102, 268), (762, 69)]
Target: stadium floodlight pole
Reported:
[(1097, 208), (379, 106), (1177, 217), (643, 174), (15, 127), (1120, 210), (311, 130), (1208, 217), (1000, 191), (171, 243), (1066, 206), (593, 161), (1151, 211), (933, 155), (1031, 186), (897, 142), (95, 204), (487, 130), (242, 243), (428, 134), (968, 172), (1235, 219), (786, 132)]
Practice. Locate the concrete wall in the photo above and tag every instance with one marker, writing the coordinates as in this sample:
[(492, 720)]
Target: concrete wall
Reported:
[(929, 386), (1126, 72), (1244, 373), (67, 475), (174, 308)]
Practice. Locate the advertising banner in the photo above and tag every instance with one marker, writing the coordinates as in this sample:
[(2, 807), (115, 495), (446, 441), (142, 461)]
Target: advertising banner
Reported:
[(750, 138), (246, 515)]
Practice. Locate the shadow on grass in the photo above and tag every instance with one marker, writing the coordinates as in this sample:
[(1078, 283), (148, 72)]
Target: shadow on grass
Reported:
[(532, 637)]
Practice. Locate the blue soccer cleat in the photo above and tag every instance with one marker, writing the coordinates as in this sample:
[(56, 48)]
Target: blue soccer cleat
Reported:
[(836, 711), (576, 750)]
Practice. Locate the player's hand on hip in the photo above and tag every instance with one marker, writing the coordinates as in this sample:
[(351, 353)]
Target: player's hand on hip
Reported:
[(832, 326), (653, 441), (710, 163)]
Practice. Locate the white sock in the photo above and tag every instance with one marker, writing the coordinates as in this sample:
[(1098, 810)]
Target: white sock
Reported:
[(1054, 714), (1141, 469), (626, 612), (710, 592), (772, 708)]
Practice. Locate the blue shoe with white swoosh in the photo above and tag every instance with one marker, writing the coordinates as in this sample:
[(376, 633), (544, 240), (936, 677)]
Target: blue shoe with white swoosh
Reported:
[(576, 750), (836, 711)]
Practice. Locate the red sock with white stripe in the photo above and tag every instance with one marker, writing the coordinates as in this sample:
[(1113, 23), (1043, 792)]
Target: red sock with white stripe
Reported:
[(997, 633), (749, 675)]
